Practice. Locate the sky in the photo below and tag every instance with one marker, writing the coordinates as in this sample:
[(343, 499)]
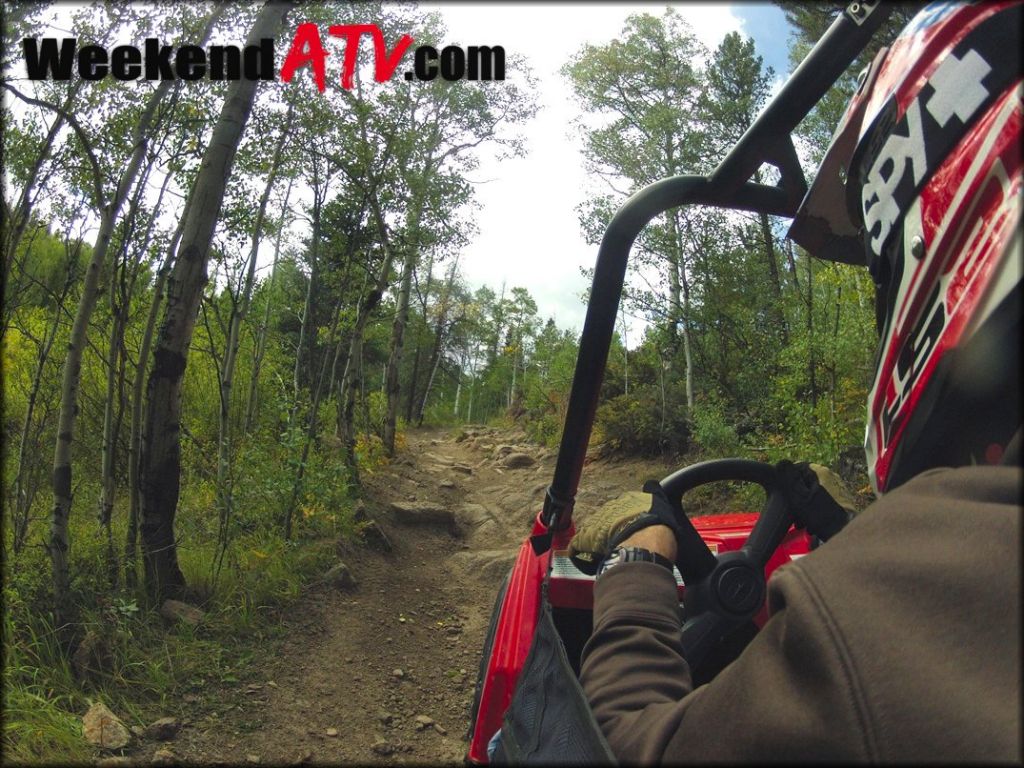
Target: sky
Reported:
[(529, 228)]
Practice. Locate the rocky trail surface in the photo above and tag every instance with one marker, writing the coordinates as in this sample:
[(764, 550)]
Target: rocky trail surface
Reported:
[(380, 660)]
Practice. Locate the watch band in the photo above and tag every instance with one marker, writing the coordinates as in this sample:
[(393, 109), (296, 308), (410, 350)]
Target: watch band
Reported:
[(633, 555)]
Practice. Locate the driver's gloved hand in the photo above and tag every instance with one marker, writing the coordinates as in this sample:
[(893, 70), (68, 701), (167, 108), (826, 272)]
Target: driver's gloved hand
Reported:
[(817, 498), (835, 487), (616, 521)]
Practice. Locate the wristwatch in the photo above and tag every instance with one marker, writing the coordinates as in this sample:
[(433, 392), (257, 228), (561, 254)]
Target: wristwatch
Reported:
[(630, 555)]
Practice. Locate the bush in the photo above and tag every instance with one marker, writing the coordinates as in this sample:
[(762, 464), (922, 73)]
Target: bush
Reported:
[(377, 410), (545, 413), (712, 432), (40, 694), (370, 455), (635, 423), (545, 429), (439, 415)]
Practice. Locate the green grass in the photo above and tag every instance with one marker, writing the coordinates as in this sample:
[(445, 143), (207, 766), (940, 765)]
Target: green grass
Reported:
[(40, 729), (40, 695), (150, 665)]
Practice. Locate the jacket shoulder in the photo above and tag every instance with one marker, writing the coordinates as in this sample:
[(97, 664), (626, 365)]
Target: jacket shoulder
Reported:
[(922, 592)]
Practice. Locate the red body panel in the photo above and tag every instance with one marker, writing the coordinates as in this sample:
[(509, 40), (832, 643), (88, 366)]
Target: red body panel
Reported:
[(513, 637), (569, 588)]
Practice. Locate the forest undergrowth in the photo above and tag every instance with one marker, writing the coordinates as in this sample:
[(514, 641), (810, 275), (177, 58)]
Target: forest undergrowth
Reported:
[(137, 663)]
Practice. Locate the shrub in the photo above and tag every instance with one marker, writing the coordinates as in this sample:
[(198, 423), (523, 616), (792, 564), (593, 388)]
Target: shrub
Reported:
[(712, 431), (370, 455), (638, 424), (545, 429)]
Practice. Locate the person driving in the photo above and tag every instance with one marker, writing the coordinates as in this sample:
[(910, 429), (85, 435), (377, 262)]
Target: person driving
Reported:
[(899, 639)]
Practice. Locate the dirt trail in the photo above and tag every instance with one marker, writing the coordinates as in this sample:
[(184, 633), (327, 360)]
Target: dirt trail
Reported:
[(384, 671)]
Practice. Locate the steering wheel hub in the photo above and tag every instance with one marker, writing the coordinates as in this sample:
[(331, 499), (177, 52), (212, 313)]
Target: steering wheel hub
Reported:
[(739, 589)]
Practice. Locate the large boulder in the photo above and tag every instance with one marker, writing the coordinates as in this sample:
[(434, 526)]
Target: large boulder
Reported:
[(477, 525), (422, 513), (518, 461), (104, 729), (175, 610)]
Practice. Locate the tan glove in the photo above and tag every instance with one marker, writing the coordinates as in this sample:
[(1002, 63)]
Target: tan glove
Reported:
[(817, 498), (836, 488), (615, 521)]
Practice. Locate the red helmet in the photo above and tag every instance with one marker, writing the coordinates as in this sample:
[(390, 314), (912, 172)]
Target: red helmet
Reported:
[(922, 184)]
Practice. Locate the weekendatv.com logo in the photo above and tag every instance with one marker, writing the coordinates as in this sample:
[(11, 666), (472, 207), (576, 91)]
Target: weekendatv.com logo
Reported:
[(49, 58)]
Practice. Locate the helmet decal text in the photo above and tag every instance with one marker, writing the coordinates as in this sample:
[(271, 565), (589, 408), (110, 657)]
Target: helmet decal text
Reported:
[(954, 96), (882, 206)]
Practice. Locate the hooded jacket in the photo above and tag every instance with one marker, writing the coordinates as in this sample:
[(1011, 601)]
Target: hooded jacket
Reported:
[(897, 640)]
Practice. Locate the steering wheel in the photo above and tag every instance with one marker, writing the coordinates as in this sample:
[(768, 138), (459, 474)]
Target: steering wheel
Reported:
[(724, 591)]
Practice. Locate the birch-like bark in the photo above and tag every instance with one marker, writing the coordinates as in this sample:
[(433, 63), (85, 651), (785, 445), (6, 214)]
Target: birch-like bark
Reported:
[(426, 391), (19, 217), (161, 449), (224, 490), (261, 338), (307, 307), (681, 283), (392, 384), (774, 280), (114, 405), (107, 446), (410, 400), (687, 345), (23, 497), (439, 333), (346, 389), (59, 543), (312, 427), (135, 436), (675, 259)]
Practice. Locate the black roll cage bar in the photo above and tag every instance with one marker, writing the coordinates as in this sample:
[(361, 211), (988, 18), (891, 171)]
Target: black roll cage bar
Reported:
[(767, 140)]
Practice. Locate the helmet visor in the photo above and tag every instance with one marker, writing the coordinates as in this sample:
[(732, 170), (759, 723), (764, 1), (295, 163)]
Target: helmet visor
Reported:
[(822, 225)]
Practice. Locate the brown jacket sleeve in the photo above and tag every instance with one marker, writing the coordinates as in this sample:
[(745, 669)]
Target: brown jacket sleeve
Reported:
[(899, 640)]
